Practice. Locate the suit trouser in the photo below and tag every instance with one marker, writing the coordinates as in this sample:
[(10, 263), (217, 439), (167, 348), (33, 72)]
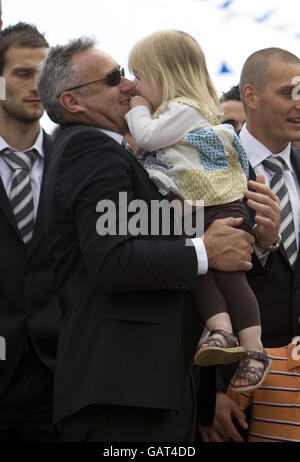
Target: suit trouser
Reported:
[(26, 405), (103, 423)]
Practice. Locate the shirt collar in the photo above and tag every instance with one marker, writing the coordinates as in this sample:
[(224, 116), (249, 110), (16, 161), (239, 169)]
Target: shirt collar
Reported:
[(258, 152), (116, 136), (38, 144)]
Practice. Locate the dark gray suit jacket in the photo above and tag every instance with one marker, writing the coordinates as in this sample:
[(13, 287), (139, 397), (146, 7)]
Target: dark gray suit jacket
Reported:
[(130, 323)]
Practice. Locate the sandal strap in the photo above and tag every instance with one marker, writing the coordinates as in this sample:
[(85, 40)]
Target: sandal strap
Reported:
[(231, 339), (258, 355), (253, 374)]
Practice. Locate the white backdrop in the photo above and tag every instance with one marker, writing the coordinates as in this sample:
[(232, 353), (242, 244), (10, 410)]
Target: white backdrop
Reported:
[(228, 31)]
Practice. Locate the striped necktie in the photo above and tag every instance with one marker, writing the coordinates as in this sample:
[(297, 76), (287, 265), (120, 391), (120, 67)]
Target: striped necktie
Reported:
[(20, 196), (287, 228)]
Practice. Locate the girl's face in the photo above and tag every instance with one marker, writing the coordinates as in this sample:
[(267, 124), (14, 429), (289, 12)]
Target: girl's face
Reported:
[(146, 89)]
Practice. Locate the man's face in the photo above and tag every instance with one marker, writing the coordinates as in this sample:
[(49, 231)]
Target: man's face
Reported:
[(278, 112), (20, 72), (104, 106), (233, 113)]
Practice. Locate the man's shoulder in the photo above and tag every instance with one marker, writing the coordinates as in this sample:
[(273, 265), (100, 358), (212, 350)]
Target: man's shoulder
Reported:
[(82, 134), (85, 147), (47, 142)]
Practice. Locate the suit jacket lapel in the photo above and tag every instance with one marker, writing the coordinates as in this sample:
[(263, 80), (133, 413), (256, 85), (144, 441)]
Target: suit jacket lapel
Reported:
[(6, 208), (39, 222), (252, 176), (295, 158)]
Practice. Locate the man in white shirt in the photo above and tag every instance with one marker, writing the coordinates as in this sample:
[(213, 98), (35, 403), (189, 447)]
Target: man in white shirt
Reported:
[(270, 95)]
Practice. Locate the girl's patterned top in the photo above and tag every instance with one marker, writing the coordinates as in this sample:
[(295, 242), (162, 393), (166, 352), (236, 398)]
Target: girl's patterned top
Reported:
[(208, 164)]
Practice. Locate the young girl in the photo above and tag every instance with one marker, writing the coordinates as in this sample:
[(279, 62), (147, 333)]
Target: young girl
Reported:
[(193, 157)]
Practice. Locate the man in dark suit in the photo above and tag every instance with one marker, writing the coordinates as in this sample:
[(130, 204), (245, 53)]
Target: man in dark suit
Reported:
[(29, 311), (269, 91), (130, 326)]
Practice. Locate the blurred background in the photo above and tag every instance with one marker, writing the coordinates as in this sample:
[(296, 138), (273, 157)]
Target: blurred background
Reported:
[(228, 31)]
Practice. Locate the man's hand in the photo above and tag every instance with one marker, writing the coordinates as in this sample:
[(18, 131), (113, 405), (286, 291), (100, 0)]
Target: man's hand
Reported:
[(267, 207), (227, 248), (140, 101), (223, 428)]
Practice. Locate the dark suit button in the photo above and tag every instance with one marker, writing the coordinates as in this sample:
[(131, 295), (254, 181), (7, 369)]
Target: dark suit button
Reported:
[(29, 315)]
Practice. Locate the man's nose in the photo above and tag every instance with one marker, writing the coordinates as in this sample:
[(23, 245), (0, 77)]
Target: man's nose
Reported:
[(297, 104), (33, 85), (126, 85)]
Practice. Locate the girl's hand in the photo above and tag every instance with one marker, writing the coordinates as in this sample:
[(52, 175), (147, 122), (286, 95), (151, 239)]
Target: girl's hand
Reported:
[(140, 101)]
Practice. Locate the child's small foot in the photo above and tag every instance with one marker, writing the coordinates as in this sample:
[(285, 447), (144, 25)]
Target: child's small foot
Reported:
[(252, 372), (221, 347)]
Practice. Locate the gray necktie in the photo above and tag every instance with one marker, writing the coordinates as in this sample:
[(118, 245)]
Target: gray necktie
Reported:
[(20, 196), (287, 228)]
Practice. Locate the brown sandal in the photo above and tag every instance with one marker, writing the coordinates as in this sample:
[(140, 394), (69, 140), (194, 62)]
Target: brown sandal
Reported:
[(218, 353), (256, 375)]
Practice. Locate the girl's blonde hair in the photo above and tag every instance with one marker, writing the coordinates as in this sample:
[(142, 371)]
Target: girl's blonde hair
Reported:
[(174, 63)]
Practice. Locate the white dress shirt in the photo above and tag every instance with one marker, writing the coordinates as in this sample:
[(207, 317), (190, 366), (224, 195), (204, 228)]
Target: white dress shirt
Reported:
[(197, 241), (257, 153), (36, 171)]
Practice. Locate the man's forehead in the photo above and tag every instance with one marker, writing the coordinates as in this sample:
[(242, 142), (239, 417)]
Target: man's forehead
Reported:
[(231, 104), (283, 72), (24, 56), (93, 57)]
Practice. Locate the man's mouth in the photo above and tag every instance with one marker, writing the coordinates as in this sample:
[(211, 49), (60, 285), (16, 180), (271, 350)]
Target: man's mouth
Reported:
[(125, 102), (294, 120), (33, 100)]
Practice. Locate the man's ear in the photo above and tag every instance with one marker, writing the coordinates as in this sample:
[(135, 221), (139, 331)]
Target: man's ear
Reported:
[(70, 103), (250, 96)]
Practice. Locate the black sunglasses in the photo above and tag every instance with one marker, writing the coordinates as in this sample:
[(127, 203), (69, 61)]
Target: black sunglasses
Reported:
[(112, 80)]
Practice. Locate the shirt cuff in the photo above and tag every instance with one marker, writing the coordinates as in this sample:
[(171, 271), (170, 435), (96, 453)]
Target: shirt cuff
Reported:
[(262, 256), (201, 255)]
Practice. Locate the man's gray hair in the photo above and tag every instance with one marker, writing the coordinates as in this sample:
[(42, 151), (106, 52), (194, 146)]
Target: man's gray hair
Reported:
[(58, 73)]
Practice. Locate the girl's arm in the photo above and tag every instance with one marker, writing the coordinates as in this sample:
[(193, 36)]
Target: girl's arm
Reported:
[(153, 134)]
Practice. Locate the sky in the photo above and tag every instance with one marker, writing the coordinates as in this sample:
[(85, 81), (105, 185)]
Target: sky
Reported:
[(228, 30)]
